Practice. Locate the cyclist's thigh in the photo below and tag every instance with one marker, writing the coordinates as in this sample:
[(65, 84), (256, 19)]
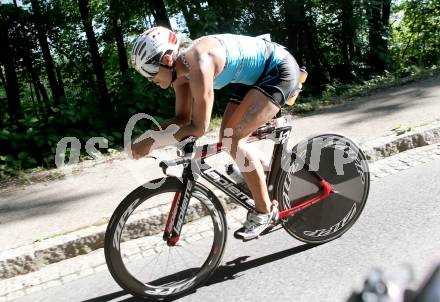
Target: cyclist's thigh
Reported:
[(235, 99), (255, 109)]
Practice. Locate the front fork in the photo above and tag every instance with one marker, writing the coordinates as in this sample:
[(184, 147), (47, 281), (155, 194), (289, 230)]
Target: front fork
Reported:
[(177, 214)]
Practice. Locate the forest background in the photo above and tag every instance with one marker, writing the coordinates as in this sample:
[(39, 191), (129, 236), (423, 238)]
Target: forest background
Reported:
[(65, 63)]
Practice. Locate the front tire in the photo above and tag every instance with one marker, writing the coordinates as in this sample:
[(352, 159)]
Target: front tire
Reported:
[(140, 260)]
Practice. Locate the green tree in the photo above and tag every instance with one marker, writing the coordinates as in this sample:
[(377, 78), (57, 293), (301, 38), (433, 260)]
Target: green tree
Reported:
[(378, 12), (42, 38), (159, 12), (24, 43), (94, 52), (417, 33), (11, 83), (304, 40), (116, 9), (349, 28)]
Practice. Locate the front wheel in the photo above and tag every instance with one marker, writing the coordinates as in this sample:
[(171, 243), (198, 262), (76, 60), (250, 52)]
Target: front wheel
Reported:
[(141, 261), (340, 162)]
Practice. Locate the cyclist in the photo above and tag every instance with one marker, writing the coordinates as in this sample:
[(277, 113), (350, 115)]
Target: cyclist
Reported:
[(267, 75)]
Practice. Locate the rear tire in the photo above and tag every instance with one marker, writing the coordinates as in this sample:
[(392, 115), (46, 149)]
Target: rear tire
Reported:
[(140, 260), (344, 166)]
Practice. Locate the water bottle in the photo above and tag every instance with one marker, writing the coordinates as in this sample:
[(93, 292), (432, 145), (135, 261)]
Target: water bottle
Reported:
[(302, 78)]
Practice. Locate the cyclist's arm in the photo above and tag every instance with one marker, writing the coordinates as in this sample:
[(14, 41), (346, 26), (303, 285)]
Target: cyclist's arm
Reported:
[(183, 106), (202, 91)]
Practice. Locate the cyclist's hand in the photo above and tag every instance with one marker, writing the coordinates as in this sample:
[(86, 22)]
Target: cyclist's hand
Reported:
[(140, 149), (151, 140), (164, 137)]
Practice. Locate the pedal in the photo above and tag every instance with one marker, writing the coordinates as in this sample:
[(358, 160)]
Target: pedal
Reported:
[(247, 240), (236, 236)]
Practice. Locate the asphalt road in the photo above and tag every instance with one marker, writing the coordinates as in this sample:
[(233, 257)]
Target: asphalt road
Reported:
[(400, 225)]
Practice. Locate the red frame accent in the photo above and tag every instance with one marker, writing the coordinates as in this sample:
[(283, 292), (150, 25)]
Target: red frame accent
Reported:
[(326, 191), (173, 240), (171, 215), (218, 147)]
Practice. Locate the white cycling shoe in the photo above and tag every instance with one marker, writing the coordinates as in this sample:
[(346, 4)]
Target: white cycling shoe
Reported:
[(256, 223)]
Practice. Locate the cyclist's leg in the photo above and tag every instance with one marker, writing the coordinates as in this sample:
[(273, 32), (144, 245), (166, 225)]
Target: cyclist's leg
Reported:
[(255, 109), (229, 111)]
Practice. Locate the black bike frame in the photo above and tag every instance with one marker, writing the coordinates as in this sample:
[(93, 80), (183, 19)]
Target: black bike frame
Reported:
[(180, 203)]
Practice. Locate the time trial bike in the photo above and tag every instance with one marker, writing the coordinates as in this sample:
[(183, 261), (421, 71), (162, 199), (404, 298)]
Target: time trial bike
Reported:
[(168, 236)]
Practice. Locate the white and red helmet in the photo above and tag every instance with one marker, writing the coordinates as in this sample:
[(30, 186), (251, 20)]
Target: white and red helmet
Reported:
[(150, 48)]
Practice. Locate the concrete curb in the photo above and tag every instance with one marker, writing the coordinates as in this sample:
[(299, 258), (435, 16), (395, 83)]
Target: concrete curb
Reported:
[(33, 257), (394, 144)]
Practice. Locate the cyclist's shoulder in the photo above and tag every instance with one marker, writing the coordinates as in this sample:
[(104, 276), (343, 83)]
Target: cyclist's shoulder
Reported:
[(199, 53)]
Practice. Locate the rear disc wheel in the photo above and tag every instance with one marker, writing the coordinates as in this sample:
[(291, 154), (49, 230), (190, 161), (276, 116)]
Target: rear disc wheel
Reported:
[(340, 162)]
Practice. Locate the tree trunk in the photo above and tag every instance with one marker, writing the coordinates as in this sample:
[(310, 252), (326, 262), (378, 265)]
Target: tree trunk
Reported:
[(3, 78), (349, 39), (119, 37), (4, 86), (316, 58), (160, 14), (303, 40), (38, 97), (12, 86), (34, 106), (26, 55), (24, 52), (386, 11), (348, 30), (60, 81), (48, 61), (295, 24), (43, 92), (378, 21), (189, 15), (94, 51), (40, 91)]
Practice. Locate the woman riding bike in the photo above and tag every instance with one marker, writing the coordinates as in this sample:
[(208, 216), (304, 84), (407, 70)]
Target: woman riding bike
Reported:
[(267, 75)]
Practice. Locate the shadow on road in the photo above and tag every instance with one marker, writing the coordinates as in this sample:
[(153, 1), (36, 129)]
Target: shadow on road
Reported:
[(41, 205), (231, 270)]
